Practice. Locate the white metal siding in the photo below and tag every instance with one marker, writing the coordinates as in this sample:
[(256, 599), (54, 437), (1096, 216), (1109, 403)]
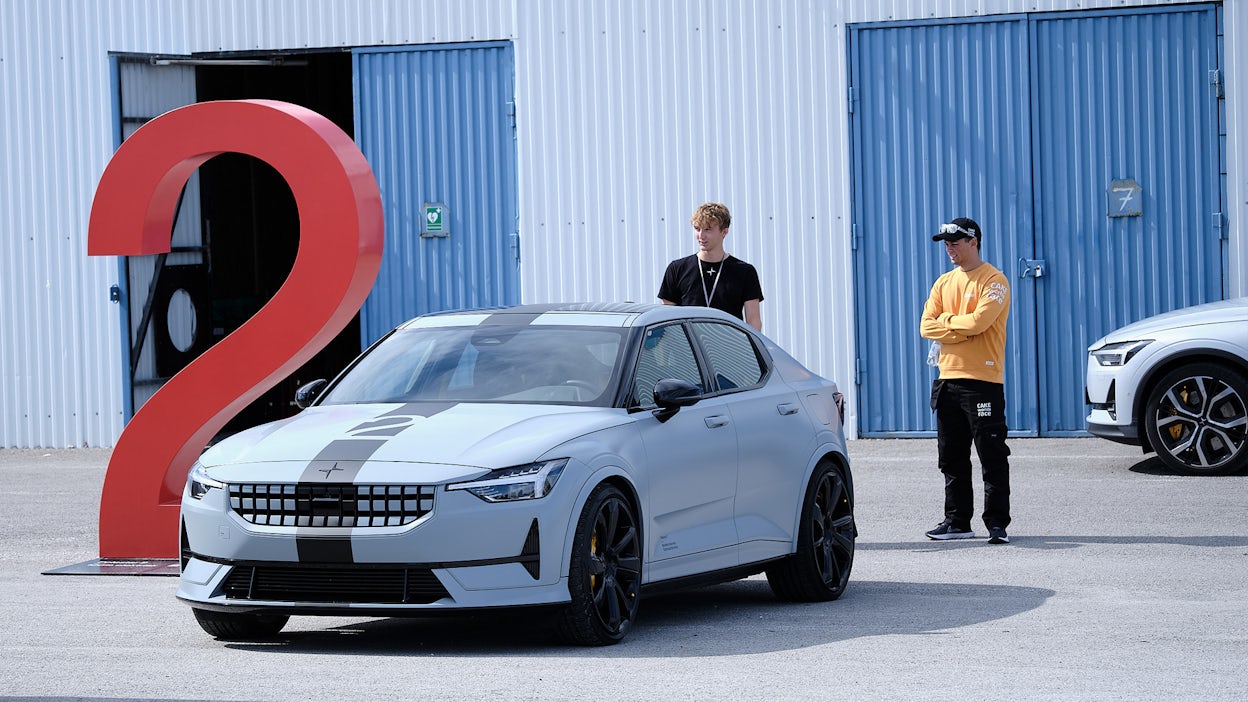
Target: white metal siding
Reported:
[(629, 114), (248, 25), (898, 10), (59, 354), (1235, 60), (632, 115)]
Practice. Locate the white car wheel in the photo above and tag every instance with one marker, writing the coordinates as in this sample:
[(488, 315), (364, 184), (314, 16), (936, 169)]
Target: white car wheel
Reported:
[(1197, 419)]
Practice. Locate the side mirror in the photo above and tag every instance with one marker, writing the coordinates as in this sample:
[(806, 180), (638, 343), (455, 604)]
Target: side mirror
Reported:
[(671, 394), (306, 395)]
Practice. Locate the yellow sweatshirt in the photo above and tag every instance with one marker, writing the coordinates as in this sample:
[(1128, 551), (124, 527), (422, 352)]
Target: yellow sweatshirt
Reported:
[(966, 313)]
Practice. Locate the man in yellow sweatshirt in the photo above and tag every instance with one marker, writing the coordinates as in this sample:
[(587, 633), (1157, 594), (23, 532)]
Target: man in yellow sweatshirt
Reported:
[(966, 314)]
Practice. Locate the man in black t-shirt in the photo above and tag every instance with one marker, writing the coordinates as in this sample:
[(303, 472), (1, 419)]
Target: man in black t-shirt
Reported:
[(711, 277)]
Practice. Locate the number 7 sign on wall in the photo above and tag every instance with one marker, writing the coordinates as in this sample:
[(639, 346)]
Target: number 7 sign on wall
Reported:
[(341, 237)]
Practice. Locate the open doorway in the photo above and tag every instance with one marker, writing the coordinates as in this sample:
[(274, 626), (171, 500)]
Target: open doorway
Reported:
[(251, 217), (237, 230)]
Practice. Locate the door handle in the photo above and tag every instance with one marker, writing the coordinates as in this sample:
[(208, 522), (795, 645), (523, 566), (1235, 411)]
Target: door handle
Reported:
[(1031, 268), (716, 421), (787, 408)]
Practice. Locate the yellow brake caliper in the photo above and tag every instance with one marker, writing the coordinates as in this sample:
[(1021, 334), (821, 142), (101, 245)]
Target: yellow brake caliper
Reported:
[(1176, 429), (593, 550)]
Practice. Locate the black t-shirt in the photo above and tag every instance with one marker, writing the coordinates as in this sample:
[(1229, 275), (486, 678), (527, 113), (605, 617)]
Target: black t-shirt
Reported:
[(734, 282)]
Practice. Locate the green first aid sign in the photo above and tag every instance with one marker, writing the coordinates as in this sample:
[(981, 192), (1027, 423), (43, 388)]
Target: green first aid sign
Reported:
[(435, 220)]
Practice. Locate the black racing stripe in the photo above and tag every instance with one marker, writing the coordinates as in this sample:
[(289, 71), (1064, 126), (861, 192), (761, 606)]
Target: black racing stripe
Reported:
[(510, 319), (420, 409), (381, 427), (340, 461)]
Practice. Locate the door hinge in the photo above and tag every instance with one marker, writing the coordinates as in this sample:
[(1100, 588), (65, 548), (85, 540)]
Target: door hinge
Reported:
[(853, 97), (857, 371), (1219, 225), (511, 113), (855, 236), (515, 245), (1215, 79)]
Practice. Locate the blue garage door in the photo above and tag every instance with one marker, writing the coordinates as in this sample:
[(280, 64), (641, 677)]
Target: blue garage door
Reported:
[(437, 125), (1039, 127), (940, 126), (1128, 196)]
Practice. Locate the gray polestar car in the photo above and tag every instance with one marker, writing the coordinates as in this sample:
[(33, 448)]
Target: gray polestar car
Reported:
[(566, 456)]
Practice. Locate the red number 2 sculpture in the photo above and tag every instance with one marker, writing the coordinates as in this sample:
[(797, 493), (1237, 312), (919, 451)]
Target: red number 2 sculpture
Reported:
[(341, 238)]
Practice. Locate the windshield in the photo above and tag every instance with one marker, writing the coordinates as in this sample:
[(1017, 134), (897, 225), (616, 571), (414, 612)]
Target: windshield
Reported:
[(536, 364)]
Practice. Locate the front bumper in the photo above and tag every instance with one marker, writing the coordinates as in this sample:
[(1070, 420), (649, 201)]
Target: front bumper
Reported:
[(464, 554), (1121, 434), (1110, 394)]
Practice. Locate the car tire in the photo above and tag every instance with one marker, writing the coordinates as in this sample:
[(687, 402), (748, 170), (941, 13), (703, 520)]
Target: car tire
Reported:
[(1196, 418), (604, 575), (239, 626), (819, 570)]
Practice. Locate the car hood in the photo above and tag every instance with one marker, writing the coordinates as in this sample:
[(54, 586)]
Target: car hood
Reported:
[(463, 434), (1222, 312)]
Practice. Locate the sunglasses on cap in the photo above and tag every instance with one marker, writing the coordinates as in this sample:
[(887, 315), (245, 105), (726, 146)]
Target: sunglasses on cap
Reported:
[(955, 229)]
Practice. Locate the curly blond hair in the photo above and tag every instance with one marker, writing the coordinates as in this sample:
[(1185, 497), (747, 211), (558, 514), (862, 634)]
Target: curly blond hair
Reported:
[(711, 213)]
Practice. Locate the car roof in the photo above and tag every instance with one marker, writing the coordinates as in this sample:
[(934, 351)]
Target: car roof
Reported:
[(588, 314)]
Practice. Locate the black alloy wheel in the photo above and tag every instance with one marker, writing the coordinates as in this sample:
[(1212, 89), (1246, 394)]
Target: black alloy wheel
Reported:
[(819, 570), (604, 577), (1197, 419)]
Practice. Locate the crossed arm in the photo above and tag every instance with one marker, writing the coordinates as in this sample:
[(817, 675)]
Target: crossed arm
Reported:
[(950, 328)]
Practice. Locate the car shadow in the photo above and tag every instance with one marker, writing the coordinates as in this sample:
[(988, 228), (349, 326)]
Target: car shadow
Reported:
[(1153, 465), (741, 617)]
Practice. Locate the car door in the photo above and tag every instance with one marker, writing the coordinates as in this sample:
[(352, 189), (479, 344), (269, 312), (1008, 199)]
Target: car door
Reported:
[(774, 438), (692, 459)]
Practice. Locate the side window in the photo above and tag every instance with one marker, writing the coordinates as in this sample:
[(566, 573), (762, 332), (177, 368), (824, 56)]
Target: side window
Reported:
[(665, 353), (734, 361)]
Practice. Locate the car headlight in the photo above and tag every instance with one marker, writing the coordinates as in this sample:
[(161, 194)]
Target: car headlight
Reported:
[(527, 482), (1118, 353), (200, 482)]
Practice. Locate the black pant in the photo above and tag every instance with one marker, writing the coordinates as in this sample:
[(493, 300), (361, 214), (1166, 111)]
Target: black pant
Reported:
[(966, 411)]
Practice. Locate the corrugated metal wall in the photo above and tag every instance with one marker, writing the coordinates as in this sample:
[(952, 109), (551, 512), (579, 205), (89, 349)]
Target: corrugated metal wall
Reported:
[(60, 353), (1121, 96), (248, 25), (629, 114), (897, 10), (953, 116), (436, 124), (632, 114)]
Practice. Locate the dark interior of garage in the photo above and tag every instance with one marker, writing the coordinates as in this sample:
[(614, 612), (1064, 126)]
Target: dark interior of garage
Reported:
[(251, 224)]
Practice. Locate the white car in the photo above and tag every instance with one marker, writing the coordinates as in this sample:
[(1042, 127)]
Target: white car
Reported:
[(565, 455), (1176, 384)]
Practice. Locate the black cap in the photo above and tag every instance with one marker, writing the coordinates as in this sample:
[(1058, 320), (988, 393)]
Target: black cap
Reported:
[(960, 228)]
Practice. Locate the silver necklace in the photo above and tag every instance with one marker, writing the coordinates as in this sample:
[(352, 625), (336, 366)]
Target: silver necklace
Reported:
[(714, 285)]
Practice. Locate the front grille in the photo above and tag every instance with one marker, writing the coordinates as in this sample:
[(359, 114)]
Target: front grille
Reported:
[(336, 585), (302, 505)]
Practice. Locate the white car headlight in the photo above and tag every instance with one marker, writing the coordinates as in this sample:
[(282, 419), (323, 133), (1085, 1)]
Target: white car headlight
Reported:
[(200, 482), (1118, 353), (527, 482)]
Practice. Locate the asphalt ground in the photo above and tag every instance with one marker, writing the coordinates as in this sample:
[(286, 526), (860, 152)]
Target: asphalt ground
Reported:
[(1123, 581)]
